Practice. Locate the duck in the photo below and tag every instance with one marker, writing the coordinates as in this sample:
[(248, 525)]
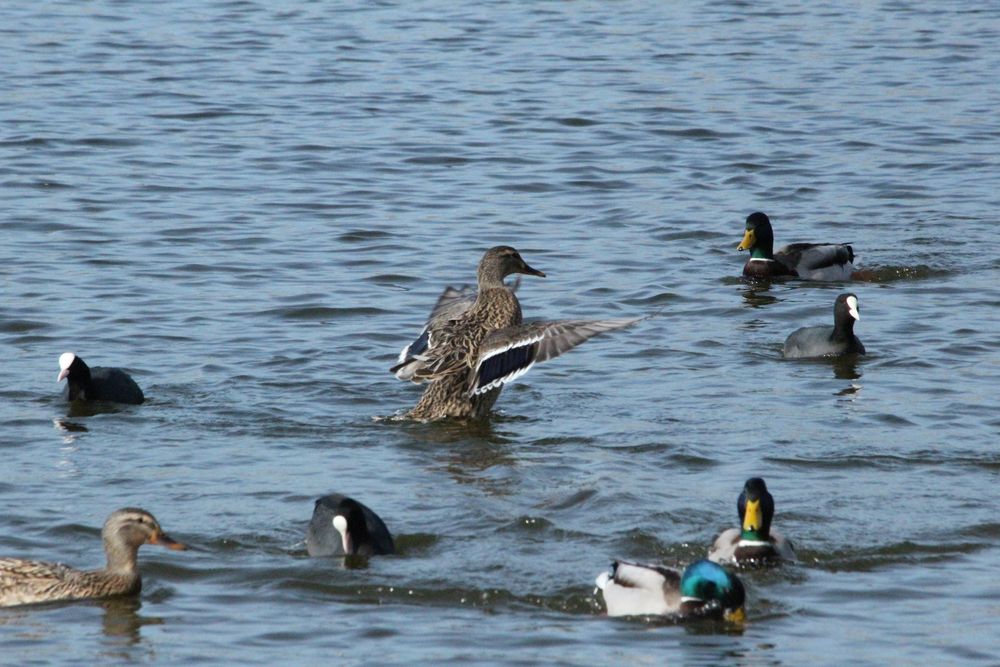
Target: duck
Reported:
[(823, 341), (808, 261), (341, 526), (84, 383), (467, 357), (30, 582), (703, 590), (753, 543)]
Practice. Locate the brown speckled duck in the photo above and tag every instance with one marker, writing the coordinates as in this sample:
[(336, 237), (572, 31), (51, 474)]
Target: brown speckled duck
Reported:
[(468, 352), (29, 582)]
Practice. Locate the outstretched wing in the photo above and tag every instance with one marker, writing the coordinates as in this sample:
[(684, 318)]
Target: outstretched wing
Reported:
[(507, 354)]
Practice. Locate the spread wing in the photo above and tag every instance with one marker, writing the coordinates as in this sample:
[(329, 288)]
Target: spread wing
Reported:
[(509, 353)]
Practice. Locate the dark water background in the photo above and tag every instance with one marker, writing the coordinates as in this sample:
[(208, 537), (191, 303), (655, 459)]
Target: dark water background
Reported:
[(252, 206)]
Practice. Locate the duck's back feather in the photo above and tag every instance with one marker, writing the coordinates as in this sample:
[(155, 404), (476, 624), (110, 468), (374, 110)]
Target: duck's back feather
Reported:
[(818, 261), (30, 582), (633, 589)]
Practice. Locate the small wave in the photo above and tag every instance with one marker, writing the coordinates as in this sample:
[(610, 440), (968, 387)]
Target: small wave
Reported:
[(889, 274), (320, 312)]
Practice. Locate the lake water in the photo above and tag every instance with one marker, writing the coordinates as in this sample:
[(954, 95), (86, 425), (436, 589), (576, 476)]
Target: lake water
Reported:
[(253, 206)]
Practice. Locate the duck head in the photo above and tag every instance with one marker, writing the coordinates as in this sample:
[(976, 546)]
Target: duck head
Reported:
[(128, 529), (756, 508), (500, 262), (758, 237), (707, 586)]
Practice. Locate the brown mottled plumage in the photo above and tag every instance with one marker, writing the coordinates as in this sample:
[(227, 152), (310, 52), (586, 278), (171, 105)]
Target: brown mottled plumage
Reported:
[(468, 355), (29, 582)]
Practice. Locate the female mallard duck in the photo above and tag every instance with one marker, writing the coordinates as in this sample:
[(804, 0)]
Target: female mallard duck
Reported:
[(84, 383), (704, 590), (754, 543), (809, 261), (832, 341), (341, 526), (28, 581), (468, 355)]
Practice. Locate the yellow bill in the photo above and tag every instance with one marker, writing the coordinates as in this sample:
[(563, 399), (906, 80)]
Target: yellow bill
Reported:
[(753, 519)]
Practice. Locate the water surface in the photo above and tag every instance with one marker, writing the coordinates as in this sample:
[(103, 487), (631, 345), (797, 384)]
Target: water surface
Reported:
[(253, 208)]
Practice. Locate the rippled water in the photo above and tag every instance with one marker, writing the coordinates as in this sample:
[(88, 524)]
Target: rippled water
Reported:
[(253, 208)]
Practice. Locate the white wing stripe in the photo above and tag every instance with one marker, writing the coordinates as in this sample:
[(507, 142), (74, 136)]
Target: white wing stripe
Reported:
[(524, 342)]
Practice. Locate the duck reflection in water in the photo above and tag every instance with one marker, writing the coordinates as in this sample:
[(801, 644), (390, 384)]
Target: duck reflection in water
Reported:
[(122, 621), (467, 450), (756, 295), (846, 368)]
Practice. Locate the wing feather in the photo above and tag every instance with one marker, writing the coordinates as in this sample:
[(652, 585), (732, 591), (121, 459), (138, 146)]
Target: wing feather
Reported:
[(509, 353), (808, 258)]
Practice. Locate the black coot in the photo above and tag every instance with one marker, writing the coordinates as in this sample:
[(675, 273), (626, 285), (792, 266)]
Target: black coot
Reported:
[(96, 384)]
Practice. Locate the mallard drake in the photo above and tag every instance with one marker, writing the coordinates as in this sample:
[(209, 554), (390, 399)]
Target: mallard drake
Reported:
[(28, 581), (809, 261), (704, 590), (342, 526), (84, 383), (754, 543), (469, 355), (832, 341)]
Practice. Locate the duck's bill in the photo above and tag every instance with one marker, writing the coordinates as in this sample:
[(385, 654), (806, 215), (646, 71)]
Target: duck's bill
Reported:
[(63, 374), (735, 615), (532, 272), (748, 240), (165, 540), (753, 518)]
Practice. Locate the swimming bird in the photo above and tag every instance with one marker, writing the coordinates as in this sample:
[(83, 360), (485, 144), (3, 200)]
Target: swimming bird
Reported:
[(29, 582), (468, 356), (754, 543), (809, 261), (704, 590), (84, 383), (832, 341), (341, 526)]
